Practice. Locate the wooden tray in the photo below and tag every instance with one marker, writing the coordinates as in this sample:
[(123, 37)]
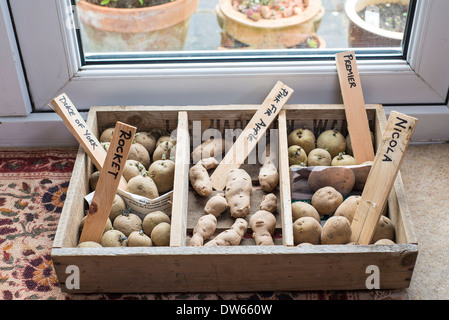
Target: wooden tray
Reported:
[(244, 268)]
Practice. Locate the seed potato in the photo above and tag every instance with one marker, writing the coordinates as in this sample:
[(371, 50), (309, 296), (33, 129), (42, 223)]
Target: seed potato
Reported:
[(114, 238), (133, 168), (306, 230), (163, 174), (326, 200), (319, 157), (341, 179), (107, 227), (139, 153), (153, 219), (164, 151), (384, 242), (139, 239), (384, 230), (296, 155), (303, 209), (127, 223), (160, 235), (348, 208), (333, 141), (106, 135), (343, 160), (143, 186), (89, 244), (147, 139), (118, 207), (336, 230), (303, 138)]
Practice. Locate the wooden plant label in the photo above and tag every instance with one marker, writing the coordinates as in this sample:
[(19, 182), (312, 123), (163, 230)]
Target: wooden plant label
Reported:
[(108, 182), (252, 133), (389, 156), (354, 102), (82, 133), (78, 127)]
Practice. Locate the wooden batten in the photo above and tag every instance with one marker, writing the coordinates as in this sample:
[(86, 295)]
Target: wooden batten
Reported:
[(284, 183), (181, 183)]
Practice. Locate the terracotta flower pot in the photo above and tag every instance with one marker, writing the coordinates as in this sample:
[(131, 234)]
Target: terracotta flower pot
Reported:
[(363, 34), (161, 27), (266, 33)]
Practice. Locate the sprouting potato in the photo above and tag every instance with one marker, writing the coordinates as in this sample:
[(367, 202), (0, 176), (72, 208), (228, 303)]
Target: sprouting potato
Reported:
[(296, 155), (319, 157), (343, 160), (303, 138), (147, 139), (163, 174), (333, 141), (144, 186)]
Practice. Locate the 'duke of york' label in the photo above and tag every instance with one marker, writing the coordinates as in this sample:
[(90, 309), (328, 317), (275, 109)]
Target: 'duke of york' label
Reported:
[(355, 110), (389, 156), (64, 107), (108, 182)]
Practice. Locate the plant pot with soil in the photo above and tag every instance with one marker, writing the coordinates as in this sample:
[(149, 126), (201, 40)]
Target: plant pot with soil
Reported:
[(135, 25), (376, 23), (269, 24)]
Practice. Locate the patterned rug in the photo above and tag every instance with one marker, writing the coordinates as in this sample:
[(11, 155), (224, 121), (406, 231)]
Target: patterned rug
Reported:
[(33, 186)]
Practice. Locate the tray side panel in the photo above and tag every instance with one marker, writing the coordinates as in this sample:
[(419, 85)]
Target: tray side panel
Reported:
[(330, 268)]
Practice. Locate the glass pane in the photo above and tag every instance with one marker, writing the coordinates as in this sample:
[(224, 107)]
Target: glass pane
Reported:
[(118, 30)]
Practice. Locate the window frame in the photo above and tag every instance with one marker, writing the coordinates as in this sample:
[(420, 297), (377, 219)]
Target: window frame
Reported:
[(419, 83)]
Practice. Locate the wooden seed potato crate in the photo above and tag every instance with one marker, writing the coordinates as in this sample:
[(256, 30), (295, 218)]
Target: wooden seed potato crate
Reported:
[(243, 268)]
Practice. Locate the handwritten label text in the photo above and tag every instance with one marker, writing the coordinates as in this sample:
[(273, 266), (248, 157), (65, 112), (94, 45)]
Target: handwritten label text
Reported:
[(118, 153), (349, 67), (399, 126)]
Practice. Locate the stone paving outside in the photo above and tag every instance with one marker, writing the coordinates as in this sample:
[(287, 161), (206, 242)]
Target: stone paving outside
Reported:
[(204, 31)]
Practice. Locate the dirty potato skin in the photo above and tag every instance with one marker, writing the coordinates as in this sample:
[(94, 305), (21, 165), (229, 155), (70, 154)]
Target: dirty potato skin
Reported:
[(238, 193), (161, 234), (127, 223), (139, 239), (340, 178), (200, 180), (304, 138), (348, 208), (147, 139), (163, 174), (144, 186), (139, 153), (203, 230), (296, 155), (306, 230), (303, 209), (216, 205), (336, 230), (332, 141), (326, 200), (262, 224), (114, 238), (384, 230), (319, 157), (153, 219)]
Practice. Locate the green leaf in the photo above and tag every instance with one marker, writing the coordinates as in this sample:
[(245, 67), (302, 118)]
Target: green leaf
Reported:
[(105, 2)]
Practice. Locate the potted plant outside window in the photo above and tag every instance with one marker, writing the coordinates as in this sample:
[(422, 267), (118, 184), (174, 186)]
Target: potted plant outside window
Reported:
[(135, 25), (270, 24), (387, 29)]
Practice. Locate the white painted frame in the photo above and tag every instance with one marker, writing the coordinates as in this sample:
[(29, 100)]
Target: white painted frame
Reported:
[(13, 88), (52, 63)]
